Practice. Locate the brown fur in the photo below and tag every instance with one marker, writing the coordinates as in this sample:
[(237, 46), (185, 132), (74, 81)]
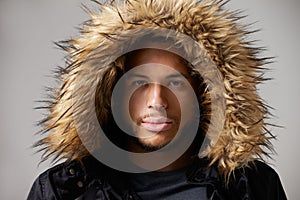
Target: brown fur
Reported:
[(244, 137)]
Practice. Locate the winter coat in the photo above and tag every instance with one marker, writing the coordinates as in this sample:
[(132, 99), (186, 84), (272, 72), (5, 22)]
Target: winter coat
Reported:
[(234, 117), (88, 180)]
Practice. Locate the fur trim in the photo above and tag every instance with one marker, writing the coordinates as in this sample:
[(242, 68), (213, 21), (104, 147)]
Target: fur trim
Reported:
[(244, 137)]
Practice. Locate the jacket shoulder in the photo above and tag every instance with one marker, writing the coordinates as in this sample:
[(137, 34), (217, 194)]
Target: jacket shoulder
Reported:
[(264, 182), (69, 180), (63, 181), (42, 187)]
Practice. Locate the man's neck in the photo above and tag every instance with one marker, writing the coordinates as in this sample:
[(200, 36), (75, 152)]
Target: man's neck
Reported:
[(183, 161)]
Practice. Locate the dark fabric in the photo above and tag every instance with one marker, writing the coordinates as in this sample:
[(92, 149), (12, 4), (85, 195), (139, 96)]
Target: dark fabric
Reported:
[(90, 179), (171, 185)]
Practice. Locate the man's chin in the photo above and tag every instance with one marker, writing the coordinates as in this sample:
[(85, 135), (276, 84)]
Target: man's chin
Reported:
[(148, 146)]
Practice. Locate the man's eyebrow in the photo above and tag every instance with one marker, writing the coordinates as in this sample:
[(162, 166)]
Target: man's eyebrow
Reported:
[(177, 75), (134, 75)]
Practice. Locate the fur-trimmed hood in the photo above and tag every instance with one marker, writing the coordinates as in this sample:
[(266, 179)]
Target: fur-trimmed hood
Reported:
[(94, 62)]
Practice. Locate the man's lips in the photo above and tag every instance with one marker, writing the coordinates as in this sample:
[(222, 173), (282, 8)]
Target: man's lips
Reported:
[(156, 124)]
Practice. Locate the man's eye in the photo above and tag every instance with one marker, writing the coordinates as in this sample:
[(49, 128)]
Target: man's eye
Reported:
[(139, 83), (176, 83)]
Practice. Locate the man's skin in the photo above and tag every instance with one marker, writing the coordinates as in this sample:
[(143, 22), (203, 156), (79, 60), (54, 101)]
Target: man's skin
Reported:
[(160, 80)]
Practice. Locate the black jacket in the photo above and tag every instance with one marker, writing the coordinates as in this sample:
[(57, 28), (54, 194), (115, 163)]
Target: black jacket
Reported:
[(232, 116), (89, 180)]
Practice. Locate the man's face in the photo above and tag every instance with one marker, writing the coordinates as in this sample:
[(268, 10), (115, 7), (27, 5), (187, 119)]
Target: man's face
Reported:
[(158, 89)]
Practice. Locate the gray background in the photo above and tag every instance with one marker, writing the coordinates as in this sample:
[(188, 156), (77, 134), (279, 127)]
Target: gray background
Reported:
[(27, 56)]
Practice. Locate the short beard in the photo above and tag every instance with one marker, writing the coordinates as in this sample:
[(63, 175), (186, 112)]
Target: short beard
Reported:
[(147, 147)]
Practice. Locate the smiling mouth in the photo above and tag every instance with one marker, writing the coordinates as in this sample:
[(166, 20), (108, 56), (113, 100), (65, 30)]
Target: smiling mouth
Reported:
[(156, 124)]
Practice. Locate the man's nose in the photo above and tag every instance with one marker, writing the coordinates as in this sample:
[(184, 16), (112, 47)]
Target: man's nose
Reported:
[(156, 97)]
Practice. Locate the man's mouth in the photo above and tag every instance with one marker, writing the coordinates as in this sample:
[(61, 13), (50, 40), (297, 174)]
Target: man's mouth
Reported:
[(156, 124)]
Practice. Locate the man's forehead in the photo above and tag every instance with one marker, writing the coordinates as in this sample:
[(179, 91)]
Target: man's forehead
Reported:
[(151, 55), (149, 70)]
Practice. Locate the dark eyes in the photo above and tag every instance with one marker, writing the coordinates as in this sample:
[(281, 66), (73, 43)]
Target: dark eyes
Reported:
[(172, 83)]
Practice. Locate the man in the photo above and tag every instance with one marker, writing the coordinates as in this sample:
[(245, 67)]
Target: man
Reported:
[(158, 101)]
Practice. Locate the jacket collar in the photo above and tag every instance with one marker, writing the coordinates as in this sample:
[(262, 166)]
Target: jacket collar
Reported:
[(90, 173)]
